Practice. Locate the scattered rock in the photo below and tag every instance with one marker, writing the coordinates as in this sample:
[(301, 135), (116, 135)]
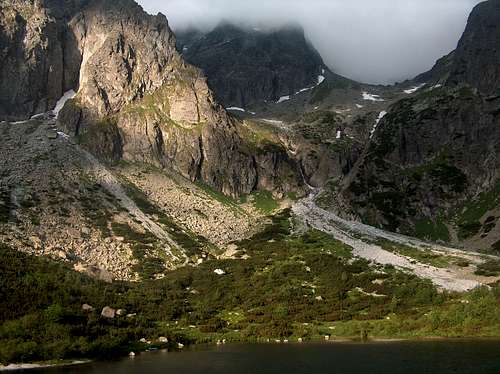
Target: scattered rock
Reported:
[(87, 308), (219, 272), (163, 339), (120, 312), (62, 255), (108, 312), (131, 354), (51, 134)]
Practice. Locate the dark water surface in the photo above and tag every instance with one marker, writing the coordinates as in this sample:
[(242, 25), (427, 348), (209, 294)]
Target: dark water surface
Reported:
[(443, 357)]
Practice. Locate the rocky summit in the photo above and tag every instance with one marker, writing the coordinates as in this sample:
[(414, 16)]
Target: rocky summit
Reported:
[(251, 65)]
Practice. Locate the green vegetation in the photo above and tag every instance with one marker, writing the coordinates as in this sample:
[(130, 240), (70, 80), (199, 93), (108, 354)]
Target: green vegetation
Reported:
[(423, 256), (448, 175), (265, 202), (391, 204), (291, 285), (469, 216), (221, 198), (434, 231), (490, 268), (5, 206)]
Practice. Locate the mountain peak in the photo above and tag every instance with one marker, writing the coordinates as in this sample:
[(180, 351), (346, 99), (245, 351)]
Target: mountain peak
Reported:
[(476, 60), (248, 64)]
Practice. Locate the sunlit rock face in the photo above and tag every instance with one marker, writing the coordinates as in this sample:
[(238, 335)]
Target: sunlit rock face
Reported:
[(136, 97)]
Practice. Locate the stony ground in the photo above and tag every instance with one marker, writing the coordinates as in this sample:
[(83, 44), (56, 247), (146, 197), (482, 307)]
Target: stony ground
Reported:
[(59, 201), (202, 211), (56, 202), (364, 241)]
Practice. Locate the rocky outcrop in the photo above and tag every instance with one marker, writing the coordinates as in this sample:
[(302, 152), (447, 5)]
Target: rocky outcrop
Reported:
[(137, 99), (476, 61), (246, 66), (37, 58), (429, 154)]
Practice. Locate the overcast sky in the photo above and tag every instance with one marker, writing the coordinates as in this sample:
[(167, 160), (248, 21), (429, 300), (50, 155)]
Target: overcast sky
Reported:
[(374, 41)]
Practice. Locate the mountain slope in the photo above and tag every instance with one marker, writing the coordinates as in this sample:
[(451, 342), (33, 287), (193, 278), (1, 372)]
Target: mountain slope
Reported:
[(431, 168)]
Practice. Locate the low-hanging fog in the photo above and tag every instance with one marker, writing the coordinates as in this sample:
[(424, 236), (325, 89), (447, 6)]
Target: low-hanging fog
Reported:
[(373, 41)]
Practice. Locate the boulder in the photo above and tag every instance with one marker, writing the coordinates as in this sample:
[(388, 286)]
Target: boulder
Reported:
[(108, 312), (87, 308)]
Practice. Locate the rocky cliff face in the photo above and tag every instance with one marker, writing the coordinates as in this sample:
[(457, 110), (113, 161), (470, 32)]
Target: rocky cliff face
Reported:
[(36, 58), (431, 168), (246, 66), (428, 155), (476, 60), (137, 99)]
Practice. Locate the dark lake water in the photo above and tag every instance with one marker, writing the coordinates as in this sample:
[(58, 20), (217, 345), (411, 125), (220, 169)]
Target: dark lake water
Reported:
[(468, 357)]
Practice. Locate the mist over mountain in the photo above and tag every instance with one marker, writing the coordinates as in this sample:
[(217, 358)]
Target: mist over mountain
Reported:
[(379, 41)]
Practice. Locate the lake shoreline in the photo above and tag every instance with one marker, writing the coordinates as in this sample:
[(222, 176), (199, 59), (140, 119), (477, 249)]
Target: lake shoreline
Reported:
[(340, 340), (32, 366)]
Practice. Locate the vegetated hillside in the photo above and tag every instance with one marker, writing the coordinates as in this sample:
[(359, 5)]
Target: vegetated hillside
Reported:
[(291, 286), (431, 168)]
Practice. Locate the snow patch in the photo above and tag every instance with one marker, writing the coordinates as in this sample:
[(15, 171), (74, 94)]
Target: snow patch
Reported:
[(321, 79), (339, 134), (359, 106), (371, 97), (303, 90), (39, 116), (60, 104), (283, 99), (236, 109), (19, 122), (219, 272), (414, 89), (380, 116), (63, 135), (436, 86)]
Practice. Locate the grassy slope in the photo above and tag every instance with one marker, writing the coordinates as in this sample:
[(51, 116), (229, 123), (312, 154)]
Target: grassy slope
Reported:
[(291, 286)]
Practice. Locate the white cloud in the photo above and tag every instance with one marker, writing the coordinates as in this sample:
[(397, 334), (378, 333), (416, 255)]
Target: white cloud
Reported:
[(378, 41)]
